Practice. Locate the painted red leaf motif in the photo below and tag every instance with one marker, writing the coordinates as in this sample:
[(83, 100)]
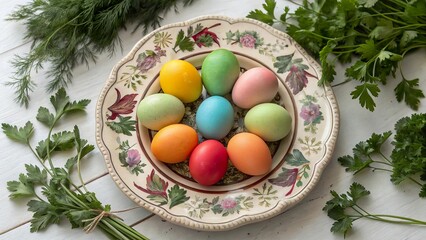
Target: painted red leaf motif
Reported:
[(203, 32), (121, 106), (154, 185), (297, 79), (286, 178)]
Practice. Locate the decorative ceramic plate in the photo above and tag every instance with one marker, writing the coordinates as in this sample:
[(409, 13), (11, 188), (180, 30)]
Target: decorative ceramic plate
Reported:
[(238, 199)]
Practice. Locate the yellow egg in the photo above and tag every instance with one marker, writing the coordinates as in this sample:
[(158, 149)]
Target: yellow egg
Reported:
[(181, 79)]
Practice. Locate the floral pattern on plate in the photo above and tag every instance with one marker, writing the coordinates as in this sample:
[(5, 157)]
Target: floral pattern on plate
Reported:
[(169, 191)]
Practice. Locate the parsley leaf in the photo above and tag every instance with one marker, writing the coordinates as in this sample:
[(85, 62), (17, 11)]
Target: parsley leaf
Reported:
[(357, 191), (408, 90), (354, 164), (407, 37), (22, 134), (342, 225), (60, 100), (62, 141), (44, 116), (77, 105), (267, 17), (44, 215), (35, 175), (365, 94), (20, 189)]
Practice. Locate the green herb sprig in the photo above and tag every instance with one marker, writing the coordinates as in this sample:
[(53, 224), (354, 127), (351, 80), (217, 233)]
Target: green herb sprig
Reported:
[(66, 33), (345, 209), (407, 160), (373, 36), (60, 197)]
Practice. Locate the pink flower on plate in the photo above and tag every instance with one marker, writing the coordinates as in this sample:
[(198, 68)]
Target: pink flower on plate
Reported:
[(310, 113), (247, 40), (149, 59), (228, 203), (133, 157)]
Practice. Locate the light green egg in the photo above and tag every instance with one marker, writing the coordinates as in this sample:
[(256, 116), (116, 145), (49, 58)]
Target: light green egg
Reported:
[(269, 121), (159, 110)]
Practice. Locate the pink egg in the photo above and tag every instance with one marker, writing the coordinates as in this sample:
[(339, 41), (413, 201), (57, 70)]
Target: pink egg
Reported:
[(256, 85)]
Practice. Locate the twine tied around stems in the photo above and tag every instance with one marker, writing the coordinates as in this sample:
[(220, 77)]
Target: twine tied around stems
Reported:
[(102, 214), (95, 221)]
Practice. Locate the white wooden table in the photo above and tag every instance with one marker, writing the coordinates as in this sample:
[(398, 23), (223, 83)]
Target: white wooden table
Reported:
[(304, 221)]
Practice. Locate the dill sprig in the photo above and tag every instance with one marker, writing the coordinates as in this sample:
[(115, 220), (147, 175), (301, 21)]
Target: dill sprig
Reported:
[(67, 33)]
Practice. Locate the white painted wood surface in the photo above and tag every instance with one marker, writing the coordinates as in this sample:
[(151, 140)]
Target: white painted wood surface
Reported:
[(304, 221)]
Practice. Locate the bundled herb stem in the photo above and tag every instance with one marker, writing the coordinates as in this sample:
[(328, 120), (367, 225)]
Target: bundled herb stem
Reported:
[(61, 197), (373, 36), (66, 33)]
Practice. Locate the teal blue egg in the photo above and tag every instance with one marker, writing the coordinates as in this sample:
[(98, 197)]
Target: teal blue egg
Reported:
[(215, 117), (269, 121)]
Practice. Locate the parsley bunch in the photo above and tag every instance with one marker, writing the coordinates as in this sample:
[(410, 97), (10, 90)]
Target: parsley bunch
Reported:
[(60, 196), (407, 160), (66, 33), (373, 36)]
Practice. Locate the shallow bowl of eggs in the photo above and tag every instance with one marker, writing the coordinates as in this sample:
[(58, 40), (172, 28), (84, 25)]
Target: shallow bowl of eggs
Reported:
[(215, 123)]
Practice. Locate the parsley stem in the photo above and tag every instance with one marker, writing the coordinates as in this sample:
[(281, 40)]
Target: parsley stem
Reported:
[(387, 159), (413, 47), (388, 7), (128, 230), (79, 171), (406, 219), (49, 159), (417, 25), (341, 83), (39, 159), (118, 233), (77, 201), (319, 36), (388, 18), (109, 232), (384, 163), (381, 169), (389, 219), (399, 3), (415, 181)]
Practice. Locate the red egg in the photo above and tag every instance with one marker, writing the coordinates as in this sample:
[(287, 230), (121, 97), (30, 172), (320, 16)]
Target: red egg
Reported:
[(208, 162)]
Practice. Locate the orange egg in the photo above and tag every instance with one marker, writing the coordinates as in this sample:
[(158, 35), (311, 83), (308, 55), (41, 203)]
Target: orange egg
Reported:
[(174, 143), (181, 79), (249, 154)]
